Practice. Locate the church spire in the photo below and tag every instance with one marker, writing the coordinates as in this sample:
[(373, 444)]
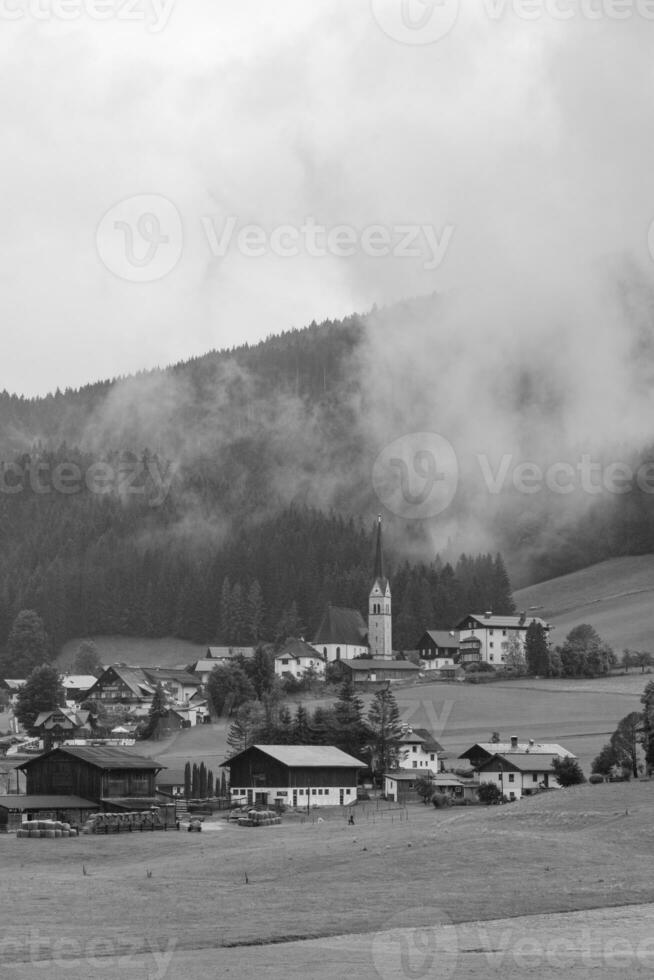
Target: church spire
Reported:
[(378, 573)]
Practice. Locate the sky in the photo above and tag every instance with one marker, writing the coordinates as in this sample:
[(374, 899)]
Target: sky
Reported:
[(184, 175)]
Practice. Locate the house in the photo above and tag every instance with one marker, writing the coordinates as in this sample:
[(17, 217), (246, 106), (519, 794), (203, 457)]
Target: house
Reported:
[(12, 686), (180, 685), (76, 687), (516, 768), (108, 778), (418, 749), (296, 658), (129, 687), (379, 671), (438, 649), (496, 635), (400, 786), (342, 634), (297, 775), (218, 656), (470, 650), (170, 782), (62, 723)]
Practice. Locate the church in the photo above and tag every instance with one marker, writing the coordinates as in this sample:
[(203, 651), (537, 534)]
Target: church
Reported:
[(343, 633)]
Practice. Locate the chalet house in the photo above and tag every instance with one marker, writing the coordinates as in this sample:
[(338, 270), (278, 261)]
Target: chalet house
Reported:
[(76, 687), (418, 749), (495, 635), (297, 775), (296, 658), (400, 786), (379, 671), (342, 634), (171, 782), (12, 686), (437, 649), (107, 778), (516, 768), (62, 723), (126, 686)]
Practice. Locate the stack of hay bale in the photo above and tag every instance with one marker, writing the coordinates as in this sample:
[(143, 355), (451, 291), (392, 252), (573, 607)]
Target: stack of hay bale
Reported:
[(46, 828), (259, 818)]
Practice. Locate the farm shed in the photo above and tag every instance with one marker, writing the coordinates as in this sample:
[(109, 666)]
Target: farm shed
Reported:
[(401, 786), (379, 671), (106, 775), (298, 775), (15, 809)]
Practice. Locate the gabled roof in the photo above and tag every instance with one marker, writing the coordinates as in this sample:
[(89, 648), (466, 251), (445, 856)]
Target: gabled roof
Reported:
[(341, 625), (171, 777), (75, 719), (537, 762), (378, 664), (78, 682), (442, 638), (100, 756), (229, 653), (502, 622), (305, 756), (379, 575), (523, 748), (134, 677), (163, 674), (42, 802), (297, 649), (13, 684), (429, 742)]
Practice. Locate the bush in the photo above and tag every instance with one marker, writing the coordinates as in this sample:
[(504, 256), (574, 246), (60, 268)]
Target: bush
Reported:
[(489, 793), (596, 778), (440, 800)]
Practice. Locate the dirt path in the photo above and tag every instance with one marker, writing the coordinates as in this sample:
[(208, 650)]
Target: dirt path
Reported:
[(602, 943)]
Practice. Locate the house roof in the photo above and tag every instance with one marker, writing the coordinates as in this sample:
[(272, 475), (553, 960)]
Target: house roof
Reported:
[(442, 638), (171, 777), (341, 625), (430, 743), (134, 677), (502, 622), (159, 674), (540, 762), (78, 682), (228, 653), (75, 719), (377, 664), (14, 684), (101, 757), (40, 802), (299, 649), (438, 779), (305, 756), (523, 748)]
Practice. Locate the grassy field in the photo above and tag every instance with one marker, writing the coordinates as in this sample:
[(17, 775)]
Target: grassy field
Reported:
[(580, 714), (614, 596), (186, 894)]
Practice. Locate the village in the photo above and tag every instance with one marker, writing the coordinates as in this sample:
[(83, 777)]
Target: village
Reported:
[(68, 767)]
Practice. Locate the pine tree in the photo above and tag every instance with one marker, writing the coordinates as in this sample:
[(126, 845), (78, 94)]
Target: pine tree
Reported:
[(254, 612), (210, 789), (301, 727), (202, 781), (537, 653), (42, 691), (195, 782), (27, 644), (158, 710), (187, 781), (351, 731), (384, 722)]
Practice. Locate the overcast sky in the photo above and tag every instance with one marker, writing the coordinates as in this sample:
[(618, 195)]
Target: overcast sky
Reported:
[(441, 149)]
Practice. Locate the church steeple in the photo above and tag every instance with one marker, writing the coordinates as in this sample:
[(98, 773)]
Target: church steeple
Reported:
[(379, 606)]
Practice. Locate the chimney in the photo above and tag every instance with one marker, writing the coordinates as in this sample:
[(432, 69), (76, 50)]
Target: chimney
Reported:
[(514, 741), (531, 743), (488, 613)]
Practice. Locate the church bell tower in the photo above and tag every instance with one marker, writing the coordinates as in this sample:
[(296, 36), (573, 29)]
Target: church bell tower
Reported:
[(380, 632)]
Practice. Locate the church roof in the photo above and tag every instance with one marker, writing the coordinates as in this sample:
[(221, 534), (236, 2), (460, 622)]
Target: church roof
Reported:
[(341, 625), (378, 571)]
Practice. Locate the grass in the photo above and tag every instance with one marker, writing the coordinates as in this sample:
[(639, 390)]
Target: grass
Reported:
[(582, 848), (613, 596)]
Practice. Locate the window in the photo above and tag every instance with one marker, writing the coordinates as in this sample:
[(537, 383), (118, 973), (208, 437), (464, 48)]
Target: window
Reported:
[(432, 757), (491, 644), (415, 764), (503, 632), (491, 632), (534, 778), (415, 748), (338, 653), (512, 777), (313, 792), (285, 661), (347, 792)]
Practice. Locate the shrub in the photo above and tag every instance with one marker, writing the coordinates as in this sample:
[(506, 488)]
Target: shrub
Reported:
[(489, 793), (440, 800), (596, 778)]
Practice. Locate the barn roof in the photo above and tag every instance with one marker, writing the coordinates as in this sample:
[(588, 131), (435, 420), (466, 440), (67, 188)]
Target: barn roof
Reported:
[(341, 625), (372, 664), (540, 762), (502, 622), (100, 756), (157, 674), (522, 748), (40, 802), (298, 649), (305, 756), (442, 638)]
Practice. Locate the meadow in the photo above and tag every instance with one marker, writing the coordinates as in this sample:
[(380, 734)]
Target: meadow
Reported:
[(473, 882)]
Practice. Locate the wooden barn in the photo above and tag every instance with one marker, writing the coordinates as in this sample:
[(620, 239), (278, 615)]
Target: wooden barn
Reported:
[(375, 671), (297, 775), (15, 809), (111, 778)]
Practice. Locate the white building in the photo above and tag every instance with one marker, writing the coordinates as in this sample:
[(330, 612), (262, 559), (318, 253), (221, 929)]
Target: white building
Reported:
[(418, 749), (342, 634), (516, 768), (495, 636), (297, 658)]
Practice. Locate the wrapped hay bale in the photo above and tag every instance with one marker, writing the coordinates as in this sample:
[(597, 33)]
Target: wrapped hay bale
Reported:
[(57, 832), (65, 833), (48, 833)]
